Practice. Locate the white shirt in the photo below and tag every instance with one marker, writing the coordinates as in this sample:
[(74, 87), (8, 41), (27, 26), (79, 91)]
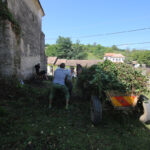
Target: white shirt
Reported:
[(60, 75)]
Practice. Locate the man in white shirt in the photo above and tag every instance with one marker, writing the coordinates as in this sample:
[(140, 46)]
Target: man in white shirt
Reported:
[(60, 75)]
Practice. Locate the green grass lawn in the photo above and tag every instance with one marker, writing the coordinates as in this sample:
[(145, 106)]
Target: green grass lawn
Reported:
[(27, 123)]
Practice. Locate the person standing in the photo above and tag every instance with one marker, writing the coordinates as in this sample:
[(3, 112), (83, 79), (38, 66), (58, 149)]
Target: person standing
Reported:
[(60, 75), (40, 74), (70, 79)]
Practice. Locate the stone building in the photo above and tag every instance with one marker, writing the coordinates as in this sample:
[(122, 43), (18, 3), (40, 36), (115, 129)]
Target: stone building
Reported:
[(21, 39)]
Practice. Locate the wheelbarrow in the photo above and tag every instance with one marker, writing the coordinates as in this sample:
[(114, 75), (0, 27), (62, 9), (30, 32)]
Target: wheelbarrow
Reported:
[(120, 101)]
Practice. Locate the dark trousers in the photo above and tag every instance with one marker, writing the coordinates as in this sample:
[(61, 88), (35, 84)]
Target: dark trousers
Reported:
[(69, 86)]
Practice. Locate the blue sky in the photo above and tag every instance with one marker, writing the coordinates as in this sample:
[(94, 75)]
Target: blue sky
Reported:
[(76, 18)]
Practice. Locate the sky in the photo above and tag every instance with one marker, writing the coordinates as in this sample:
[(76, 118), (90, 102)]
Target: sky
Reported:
[(79, 18)]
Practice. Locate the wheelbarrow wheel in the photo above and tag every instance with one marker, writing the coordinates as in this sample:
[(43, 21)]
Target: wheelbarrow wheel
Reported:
[(96, 110)]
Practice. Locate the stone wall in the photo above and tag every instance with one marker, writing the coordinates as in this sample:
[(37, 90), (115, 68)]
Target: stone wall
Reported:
[(19, 54), (9, 53), (43, 58)]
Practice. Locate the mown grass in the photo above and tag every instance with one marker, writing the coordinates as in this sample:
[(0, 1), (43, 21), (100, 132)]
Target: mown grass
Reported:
[(27, 123)]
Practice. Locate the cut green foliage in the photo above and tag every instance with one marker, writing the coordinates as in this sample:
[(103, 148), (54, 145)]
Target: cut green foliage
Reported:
[(110, 76)]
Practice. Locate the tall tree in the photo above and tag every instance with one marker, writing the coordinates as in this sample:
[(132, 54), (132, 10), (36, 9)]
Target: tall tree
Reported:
[(64, 47), (79, 51), (114, 47)]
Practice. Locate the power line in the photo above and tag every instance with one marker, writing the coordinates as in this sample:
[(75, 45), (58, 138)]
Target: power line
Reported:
[(113, 33), (107, 34), (132, 44)]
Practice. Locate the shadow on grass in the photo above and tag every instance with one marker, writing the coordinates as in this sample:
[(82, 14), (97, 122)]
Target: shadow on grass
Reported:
[(29, 124)]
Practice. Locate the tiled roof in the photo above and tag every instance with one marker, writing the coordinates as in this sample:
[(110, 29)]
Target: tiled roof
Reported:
[(41, 7), (113, 55), (59, 61), (71, 62), (51, 60), (82, 62)]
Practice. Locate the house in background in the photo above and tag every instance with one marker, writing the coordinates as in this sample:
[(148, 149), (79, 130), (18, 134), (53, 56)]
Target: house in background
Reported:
[(135, 64), (59, 61), (53, 62), (83, 63), (114, 57), (88, 63), (71, 63), (50, 65), (22, 42)]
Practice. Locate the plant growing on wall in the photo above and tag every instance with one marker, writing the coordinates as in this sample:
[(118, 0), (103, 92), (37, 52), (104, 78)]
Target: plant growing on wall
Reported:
[(5, 14)]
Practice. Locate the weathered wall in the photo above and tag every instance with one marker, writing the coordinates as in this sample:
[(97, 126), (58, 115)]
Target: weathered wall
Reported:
[(22, 53), (43, 58), (10, 55)]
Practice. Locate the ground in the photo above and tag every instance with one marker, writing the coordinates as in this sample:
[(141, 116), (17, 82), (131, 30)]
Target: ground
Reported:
[(26, 123)]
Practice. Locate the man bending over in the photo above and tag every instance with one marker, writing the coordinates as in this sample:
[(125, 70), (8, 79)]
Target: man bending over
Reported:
[(60, 75)]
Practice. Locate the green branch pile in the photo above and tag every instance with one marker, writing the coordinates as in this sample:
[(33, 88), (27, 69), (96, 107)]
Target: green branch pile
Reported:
[(110, 76), (5, 14)]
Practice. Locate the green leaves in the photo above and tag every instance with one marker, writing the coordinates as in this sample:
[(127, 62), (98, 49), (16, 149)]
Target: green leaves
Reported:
[(50, 50), (143, 57), (64, 48), (110, 76)]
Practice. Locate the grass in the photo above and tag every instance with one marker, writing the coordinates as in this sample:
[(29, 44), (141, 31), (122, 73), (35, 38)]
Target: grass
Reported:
[(91, 56), (27, 123)]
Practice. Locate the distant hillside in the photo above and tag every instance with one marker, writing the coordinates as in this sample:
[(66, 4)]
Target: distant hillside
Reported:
[(98, 51), (64, 48)]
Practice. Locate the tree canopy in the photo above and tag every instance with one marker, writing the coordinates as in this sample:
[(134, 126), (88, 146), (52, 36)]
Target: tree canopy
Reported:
[(65, 48)]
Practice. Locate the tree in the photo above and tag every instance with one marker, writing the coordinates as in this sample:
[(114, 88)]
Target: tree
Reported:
[(64, 47), (50, 50), (79, 51), (114, 47), (143, 57)]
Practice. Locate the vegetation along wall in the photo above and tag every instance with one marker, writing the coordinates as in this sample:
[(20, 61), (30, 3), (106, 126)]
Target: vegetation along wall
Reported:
[(21, 39)]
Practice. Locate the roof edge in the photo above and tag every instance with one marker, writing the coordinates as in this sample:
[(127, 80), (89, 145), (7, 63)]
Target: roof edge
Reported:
[(41, 8)]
